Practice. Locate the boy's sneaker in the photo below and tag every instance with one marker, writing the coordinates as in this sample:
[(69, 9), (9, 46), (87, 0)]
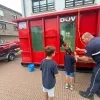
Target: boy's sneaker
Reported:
[(71, 87), (66, 86)]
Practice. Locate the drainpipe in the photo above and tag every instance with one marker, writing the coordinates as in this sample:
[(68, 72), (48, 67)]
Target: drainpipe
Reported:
[(24, 9)]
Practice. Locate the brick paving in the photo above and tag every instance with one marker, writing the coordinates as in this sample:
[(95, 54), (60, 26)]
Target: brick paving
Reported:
[(17, 83)]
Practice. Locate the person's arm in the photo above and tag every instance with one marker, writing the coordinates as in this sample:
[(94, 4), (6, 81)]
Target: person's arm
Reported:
[(85, 59), (78, 49), (88, 56), (75, 56)]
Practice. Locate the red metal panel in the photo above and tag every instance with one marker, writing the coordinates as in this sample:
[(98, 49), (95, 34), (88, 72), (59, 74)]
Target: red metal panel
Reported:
[(61, 58), (23, 33), (26, 57), (51, 35), (25, 43), (38, 57), (35, 23), (88, 23), (98, 28)]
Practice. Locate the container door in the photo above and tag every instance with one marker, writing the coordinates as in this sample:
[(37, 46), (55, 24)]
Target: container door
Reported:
[(51, 35), (37, 41), (67, 35), (25, 45)]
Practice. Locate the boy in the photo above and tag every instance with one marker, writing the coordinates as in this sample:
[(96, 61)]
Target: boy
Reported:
[(49, 72), (69, 62)]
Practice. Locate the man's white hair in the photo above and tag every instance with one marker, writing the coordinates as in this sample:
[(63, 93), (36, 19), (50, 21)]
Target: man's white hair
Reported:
[(87, 35)]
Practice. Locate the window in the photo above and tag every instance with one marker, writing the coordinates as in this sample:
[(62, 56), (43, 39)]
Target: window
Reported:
[(42, 5), (3, 26), (73, 3), (1, 12), (15, 28), (67, 34), (37, 40), (14, 16), (1, 41)]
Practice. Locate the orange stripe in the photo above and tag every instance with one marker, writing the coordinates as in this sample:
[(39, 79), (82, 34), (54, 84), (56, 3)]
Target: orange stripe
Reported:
[(79, 27)]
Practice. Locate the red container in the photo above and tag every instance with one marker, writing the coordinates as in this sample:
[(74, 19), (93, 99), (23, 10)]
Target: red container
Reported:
[(38, 31)]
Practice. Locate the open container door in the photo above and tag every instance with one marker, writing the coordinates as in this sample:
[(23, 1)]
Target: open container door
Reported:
[(67, 35), (37, 41)]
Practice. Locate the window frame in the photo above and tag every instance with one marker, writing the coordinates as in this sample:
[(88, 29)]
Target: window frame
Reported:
[(47, 6), (15, 28), (14, 16), (75, 3), (3, 26), (2, 12)]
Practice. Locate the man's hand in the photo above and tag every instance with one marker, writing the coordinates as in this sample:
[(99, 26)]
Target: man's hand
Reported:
[(76, 57), (75, 53), (78, 49)]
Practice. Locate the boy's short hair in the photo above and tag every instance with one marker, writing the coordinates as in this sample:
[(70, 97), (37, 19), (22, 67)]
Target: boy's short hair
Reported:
[(49, 50), (68, 50)]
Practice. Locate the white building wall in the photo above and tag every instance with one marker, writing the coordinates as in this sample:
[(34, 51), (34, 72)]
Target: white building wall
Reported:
[(97, 2), (26, 7), (59, 5)]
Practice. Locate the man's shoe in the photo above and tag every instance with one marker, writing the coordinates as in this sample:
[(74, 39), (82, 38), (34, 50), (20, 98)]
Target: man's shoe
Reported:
[(98, 95), (83, 94)]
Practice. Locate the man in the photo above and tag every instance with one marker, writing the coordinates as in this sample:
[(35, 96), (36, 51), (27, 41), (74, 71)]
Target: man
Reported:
[(92, 51)]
